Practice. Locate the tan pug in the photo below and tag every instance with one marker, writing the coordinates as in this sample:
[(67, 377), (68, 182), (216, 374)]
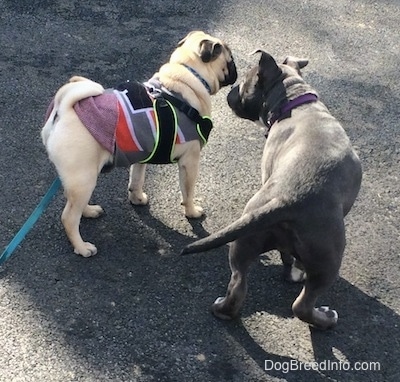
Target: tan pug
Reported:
[(161, 121)]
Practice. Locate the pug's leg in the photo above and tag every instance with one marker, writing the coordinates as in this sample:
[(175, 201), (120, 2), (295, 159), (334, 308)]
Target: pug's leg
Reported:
[(78, 188), (135, 187), (188, 171)]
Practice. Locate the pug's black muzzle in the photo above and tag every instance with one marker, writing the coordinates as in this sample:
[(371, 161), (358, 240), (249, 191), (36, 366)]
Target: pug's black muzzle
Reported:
[(231, 77)]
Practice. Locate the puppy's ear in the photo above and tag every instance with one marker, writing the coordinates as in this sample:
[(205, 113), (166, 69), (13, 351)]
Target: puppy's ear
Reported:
[(268, 69), (296, 63), (209, 50)]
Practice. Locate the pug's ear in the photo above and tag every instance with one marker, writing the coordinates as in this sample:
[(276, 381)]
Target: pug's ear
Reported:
[(268, 69), (296, 63), (209, 50), (180, 43)]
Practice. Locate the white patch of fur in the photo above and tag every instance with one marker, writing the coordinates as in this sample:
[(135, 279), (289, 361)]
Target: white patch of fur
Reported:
[(260, 123), (297, 274), (325, 309)]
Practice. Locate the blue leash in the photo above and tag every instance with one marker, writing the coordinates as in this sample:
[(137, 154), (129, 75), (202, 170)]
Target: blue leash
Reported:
[(31, 221)]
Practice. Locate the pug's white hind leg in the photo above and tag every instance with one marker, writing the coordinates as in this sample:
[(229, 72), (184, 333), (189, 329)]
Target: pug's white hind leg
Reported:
[(78, 190)]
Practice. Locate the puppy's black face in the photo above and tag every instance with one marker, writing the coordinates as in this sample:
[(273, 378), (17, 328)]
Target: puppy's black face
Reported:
[(246, 99), (250, 99)]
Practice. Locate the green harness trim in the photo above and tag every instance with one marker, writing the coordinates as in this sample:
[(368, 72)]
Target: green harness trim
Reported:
[(167, 129), (204, 128)]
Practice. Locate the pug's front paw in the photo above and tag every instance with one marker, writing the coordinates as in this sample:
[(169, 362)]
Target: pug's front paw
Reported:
[(193, 212), (138, 198)]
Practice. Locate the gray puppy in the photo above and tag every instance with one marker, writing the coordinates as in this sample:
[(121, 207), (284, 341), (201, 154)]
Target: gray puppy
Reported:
[(311, 176)]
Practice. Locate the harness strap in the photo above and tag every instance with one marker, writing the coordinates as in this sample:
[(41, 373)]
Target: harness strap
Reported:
[(203, 124), (166, 133)]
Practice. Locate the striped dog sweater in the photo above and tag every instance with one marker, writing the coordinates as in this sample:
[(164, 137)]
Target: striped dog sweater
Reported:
[(135, 126)]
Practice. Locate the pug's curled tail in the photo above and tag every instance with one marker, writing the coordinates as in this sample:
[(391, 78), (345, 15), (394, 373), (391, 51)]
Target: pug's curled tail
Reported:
[(253, 221), (78, 88)]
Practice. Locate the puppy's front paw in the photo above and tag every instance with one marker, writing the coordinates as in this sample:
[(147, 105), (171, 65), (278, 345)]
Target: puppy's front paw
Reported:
[(138, 199), (86, 250), (193, 212), (220, 310)]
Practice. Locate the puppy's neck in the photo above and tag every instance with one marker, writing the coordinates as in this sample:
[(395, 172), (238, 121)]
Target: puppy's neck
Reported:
[(285, 91)]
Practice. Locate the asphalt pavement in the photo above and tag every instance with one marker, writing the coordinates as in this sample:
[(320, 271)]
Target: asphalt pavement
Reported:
[(138, 312)]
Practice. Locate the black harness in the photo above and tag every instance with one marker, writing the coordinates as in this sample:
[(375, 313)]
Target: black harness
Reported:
[(164, 104)]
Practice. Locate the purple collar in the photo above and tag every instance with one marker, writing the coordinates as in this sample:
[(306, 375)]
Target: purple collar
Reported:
[(289, 106)]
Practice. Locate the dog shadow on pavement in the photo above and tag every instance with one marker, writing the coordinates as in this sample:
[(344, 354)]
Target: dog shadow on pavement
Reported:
[(363, 346), (128, 298)]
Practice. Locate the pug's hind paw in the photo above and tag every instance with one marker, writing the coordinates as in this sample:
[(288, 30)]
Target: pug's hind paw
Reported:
[(92, 211), (86, 250)]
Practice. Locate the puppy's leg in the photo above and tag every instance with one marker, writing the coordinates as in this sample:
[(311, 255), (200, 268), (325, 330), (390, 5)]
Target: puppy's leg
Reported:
[(319, 279), (135, 187), (188, 172), (78, 189), (303, 307), (293, 270), (242, 253)]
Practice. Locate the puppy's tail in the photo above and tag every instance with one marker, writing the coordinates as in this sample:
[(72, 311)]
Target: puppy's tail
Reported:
[(253, 221), (77, 89)]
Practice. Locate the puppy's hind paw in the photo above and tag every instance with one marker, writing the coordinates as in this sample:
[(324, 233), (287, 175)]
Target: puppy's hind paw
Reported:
[(332, 314), (86, 250), (324, 318)]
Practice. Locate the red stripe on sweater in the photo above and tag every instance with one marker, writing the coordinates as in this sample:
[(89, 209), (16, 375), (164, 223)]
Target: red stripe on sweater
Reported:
[(122, 134)]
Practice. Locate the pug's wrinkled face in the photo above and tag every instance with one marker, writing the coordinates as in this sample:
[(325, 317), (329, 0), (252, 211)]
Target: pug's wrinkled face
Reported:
[(209, 56)]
